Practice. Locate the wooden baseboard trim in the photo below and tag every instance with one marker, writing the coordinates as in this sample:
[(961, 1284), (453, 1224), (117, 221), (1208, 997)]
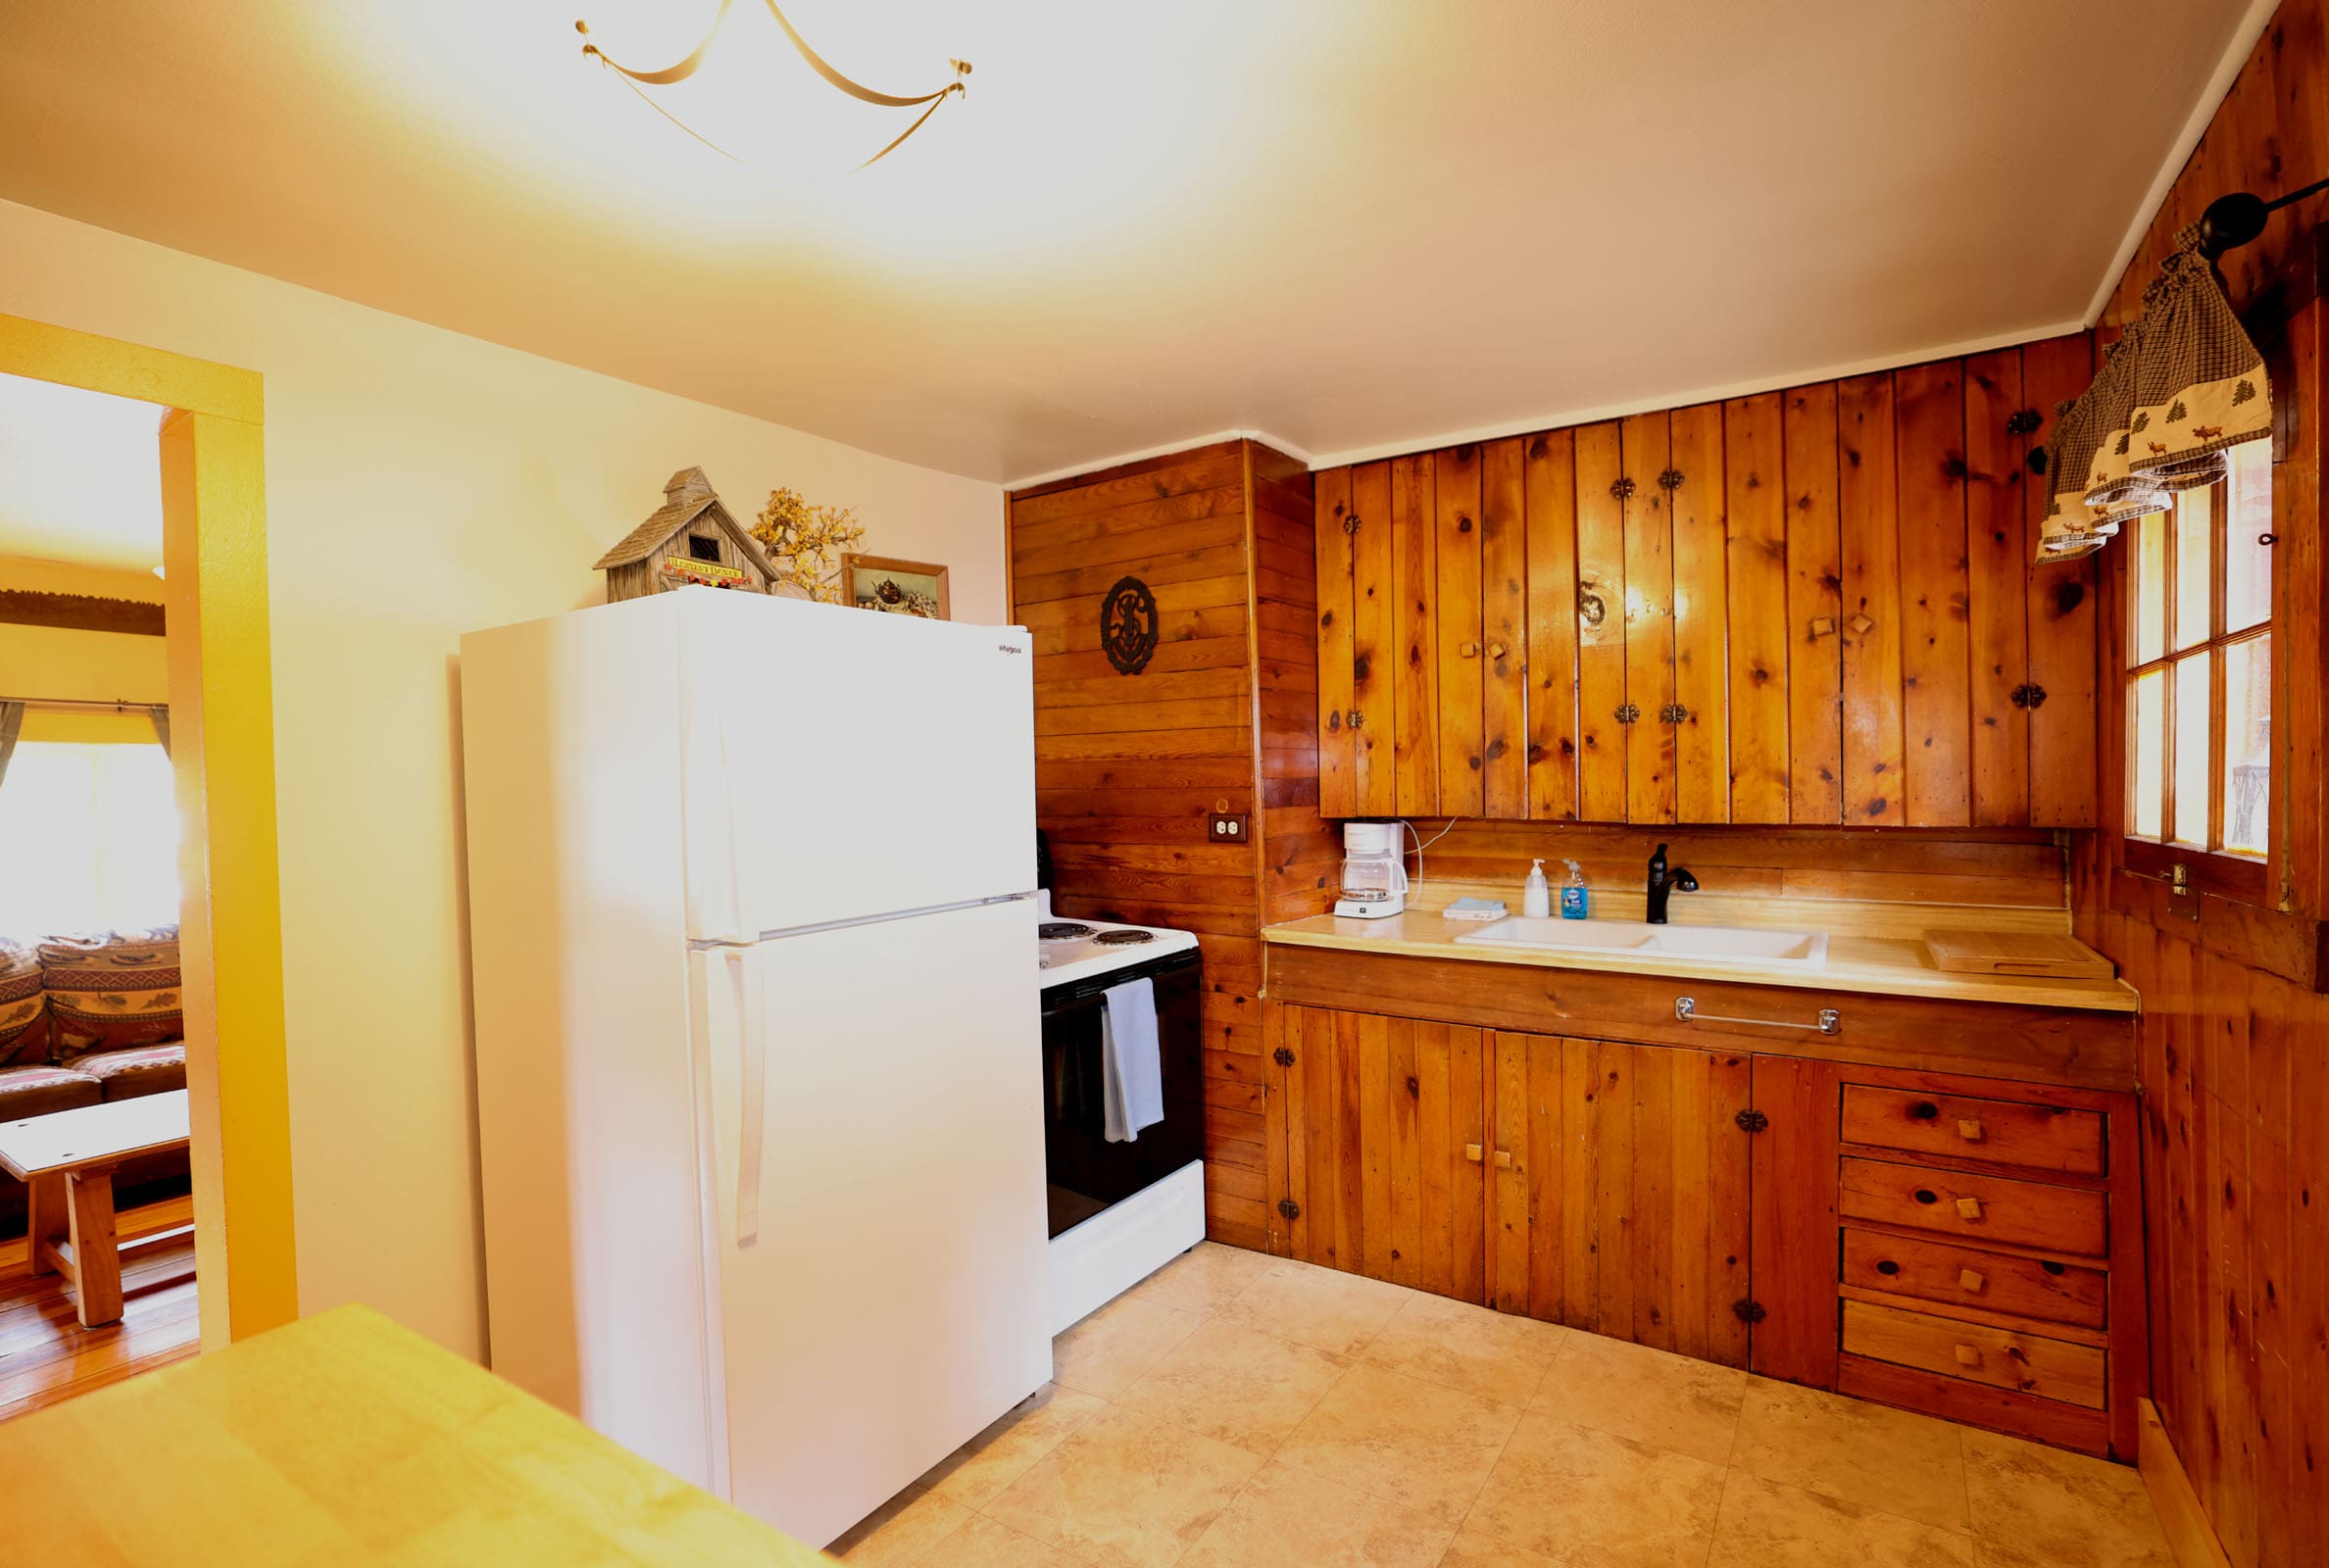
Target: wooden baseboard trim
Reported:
[(2190, 1535)]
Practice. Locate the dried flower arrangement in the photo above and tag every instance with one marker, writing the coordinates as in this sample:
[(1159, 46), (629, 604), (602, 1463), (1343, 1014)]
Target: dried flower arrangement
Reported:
[(806, 543)]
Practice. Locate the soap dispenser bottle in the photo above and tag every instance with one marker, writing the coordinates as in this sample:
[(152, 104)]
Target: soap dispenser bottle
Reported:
[(1573, 892), (1536, 899)]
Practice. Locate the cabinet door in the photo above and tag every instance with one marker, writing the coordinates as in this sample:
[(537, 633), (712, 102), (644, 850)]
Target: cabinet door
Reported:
[(1414, 675), (1382, 1174), (1338, 763), (1796, 1260), (1456, 474), (1647, 597), (1619, 1203)]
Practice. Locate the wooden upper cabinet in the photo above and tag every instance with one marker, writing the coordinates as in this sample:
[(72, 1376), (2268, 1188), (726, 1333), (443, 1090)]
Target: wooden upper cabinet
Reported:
[(1817, 606)]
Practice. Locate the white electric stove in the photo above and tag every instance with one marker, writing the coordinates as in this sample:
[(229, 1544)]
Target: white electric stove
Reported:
[(1119, 1211), (1078, 950)]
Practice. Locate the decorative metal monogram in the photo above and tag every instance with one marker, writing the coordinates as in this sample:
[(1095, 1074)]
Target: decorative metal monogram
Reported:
[(1128, 625)]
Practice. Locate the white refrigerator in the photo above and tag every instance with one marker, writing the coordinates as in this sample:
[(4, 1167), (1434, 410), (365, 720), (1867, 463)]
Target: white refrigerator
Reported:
[(757, 1061)]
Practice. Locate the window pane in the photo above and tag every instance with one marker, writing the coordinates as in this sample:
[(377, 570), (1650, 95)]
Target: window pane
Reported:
[(2191, 749), (2195, 567), (2150, 588), (2248, 564), (2147, 772), (2247, 724), (88, 839)]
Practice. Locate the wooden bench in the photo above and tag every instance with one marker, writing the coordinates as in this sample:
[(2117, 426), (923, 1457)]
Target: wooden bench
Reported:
[(68, 1159)]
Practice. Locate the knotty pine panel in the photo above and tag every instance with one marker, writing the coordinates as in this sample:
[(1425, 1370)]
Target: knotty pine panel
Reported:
[(2236, 1121), (1701, 676), (1870, 631), (1414, 590), (1129, 768), (1374, 642), (1929, 440), (1755, 479), (1648, 599), (1998, 586), (1455, 480), (1551, 499), (1814, 608), (2060, 600), (1504, 630), (1600, 624)]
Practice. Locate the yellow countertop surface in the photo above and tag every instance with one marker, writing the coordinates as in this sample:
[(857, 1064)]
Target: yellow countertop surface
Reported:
[(1873, 949), (343, 1439)]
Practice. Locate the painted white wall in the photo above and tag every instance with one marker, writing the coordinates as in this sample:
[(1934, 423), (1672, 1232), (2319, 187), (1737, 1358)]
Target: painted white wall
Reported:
[(420, 484)]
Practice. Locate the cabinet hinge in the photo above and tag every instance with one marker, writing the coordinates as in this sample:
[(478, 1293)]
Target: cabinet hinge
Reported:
[(1354, 718), (2029, 695), (1282, 1056), (1747, 1311), (1629, 713), (1351, 524), (1289, 1208), (1751, 1121), (1674, 714), (1672, 480)]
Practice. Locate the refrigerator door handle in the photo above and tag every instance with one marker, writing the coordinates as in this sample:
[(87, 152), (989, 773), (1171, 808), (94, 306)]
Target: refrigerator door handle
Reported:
[(752, 1113)]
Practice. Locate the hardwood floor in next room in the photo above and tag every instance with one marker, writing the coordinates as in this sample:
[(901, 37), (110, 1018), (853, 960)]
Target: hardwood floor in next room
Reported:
[(1236, 1411), (46, 1355)]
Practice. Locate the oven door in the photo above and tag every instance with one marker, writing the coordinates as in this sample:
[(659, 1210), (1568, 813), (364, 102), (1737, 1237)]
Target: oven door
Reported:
[(1085, 1172)]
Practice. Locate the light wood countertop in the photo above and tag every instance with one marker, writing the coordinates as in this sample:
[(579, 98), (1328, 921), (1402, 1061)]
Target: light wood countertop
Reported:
[(345, 1439), (1873, 949)]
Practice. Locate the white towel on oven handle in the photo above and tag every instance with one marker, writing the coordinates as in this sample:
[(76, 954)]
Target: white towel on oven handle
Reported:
[(1131, 1066)]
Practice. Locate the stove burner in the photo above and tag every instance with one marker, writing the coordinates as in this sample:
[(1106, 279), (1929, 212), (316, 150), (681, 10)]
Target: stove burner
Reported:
[(1123, 939), (1061, 931)]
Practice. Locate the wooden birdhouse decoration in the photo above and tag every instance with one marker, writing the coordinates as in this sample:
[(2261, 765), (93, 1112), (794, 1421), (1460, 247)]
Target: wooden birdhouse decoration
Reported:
[(689, 539)]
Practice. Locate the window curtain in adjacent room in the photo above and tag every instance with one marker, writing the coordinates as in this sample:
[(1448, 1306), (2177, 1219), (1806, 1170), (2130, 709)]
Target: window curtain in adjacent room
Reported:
[(2184, 384), (160, 715), (12, 722)]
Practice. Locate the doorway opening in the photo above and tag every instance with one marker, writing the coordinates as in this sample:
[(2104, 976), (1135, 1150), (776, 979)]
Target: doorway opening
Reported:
[(145, 1206)]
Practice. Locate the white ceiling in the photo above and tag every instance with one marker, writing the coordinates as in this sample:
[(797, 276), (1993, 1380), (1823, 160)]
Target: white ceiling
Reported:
[(1351, 224), (80, 476)]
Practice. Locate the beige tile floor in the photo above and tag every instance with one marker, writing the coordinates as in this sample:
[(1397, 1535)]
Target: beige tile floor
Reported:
[(1236, 1412)]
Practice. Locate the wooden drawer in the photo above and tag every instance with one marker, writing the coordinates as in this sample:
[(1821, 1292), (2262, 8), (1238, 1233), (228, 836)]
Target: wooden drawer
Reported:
[(1976, 1207), (2027, 1363), (1966, 1276), (2004, 1132)]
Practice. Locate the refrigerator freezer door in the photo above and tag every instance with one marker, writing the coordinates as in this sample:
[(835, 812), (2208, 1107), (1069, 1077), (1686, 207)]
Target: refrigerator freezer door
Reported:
[(892, 1296), (842, 763)]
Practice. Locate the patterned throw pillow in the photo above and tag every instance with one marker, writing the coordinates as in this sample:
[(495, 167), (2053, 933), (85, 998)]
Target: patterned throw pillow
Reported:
[(110, 990), (24, 1007)]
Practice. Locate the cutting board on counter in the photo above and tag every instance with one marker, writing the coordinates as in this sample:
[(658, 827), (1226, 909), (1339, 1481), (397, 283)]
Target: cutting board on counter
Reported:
[(2017, 953)]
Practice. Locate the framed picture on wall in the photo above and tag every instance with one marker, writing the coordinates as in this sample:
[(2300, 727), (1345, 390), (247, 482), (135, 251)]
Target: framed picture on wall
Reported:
[(895, 587)]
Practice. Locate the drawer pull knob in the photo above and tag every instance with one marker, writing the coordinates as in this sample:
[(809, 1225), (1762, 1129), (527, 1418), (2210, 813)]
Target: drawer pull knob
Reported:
[(1924, 1111), (1967, 1355), (1504, 1157), (1925, 1195), (1968, 1280), (1472, 1151), (1497, 649), (1887, 1267), (1969, 1130), (1969, 1209), (1469, 651)]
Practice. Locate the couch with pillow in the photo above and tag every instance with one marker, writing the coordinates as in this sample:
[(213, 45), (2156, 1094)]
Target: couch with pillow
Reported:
[(85, 1019)]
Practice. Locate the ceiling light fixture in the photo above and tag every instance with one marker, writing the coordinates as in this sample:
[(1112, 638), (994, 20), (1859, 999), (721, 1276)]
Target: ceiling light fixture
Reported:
[(639, 81)]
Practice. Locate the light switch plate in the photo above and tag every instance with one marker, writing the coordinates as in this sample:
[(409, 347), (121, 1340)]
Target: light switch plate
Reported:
[(1229, 828)]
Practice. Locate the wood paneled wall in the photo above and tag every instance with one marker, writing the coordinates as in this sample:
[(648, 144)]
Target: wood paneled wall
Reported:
[(2236, 1036), (1129, 768), (1810, 607)]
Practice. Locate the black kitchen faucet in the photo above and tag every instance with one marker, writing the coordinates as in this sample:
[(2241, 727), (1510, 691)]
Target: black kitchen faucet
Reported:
[(1663, 882)]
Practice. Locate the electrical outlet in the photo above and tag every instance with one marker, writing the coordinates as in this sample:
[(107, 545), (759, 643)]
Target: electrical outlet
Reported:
[(1229, 828)]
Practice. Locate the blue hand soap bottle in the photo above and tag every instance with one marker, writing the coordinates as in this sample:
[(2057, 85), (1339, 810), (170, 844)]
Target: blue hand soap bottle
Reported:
[(1574, 895)]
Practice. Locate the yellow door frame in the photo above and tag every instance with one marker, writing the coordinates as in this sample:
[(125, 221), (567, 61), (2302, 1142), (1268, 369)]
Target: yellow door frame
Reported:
[(221, 699)]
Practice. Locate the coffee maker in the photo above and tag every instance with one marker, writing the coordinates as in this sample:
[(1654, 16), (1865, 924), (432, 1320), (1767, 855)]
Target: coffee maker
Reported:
[(1375, 880)]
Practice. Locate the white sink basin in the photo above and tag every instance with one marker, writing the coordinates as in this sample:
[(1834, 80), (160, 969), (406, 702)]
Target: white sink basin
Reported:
[(1805, 949)]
